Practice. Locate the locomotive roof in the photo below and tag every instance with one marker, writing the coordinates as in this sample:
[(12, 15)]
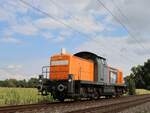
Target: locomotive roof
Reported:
[(88, 55)]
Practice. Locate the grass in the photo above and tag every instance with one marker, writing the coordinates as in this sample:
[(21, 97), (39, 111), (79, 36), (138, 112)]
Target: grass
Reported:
[(142, 91), (19, 96)]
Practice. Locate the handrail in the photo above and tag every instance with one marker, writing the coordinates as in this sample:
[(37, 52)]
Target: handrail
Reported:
[(45, 70)]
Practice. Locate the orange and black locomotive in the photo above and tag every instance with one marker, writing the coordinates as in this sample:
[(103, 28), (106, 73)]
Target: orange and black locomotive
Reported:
[(82, 75)]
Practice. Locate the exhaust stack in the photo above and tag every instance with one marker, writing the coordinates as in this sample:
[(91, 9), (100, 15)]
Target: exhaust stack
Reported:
[(63, 51)]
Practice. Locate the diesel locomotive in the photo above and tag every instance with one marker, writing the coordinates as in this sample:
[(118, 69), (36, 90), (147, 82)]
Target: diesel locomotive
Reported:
[(82, 75)]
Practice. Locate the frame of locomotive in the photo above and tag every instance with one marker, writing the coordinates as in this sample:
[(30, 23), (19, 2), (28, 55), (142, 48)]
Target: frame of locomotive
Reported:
[(76, 89)]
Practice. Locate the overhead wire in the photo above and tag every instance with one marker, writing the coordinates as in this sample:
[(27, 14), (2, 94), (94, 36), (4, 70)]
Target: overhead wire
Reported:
[(54, 18), (123, 15), (121, 23), (120, 11), (59, 6), (57, 20)]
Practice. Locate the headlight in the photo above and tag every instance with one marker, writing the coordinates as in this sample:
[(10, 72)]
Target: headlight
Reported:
[(40, 80), (70, 76), (69, 80)]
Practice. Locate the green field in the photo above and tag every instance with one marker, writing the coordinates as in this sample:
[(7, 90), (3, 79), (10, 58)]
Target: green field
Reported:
[(142, 91), (18, 96)]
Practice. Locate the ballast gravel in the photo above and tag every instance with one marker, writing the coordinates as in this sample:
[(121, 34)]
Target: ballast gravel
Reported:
[(144, 108)]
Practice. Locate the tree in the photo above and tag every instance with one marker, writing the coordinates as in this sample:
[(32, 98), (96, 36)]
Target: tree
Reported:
[(32, 83), (130, 84), (141, 75), (146, 75), (137, 75), (11, 82)]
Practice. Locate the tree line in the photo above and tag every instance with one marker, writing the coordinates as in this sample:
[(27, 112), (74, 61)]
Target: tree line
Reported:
[(139, 77), (31, 83)]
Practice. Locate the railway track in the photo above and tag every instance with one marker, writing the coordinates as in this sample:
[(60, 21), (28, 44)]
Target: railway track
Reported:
[(114, 108), (19, 108), (97, 106)]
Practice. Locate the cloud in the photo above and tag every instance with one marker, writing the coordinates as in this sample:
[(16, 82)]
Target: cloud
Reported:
[(80, 20), (79, 15), (86, 24), (136, 14), (25, 29), (17, 71), (75, 18), (48, 23), (9, 39), (63, 36), (47, 35), (82, 24), (3, 14), (12, 71), (60, 9), (59, 38), (14, 66)]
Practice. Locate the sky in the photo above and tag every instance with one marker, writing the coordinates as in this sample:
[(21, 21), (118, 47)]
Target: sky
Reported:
[(28, 37)]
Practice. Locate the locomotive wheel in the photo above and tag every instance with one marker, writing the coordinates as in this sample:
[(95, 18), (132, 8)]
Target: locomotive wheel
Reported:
[(96, 95), (117, 95)]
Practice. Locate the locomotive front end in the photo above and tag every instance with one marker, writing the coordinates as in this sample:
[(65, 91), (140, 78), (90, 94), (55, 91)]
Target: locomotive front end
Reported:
[(57, 79)]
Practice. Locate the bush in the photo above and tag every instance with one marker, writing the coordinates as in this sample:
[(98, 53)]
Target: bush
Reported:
[(131, 87)]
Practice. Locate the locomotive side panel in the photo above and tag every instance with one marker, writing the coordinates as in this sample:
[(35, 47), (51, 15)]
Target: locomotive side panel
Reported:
[(82, 69)]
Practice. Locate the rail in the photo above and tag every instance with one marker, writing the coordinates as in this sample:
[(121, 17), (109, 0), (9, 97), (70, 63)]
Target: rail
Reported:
[(95, 106)]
